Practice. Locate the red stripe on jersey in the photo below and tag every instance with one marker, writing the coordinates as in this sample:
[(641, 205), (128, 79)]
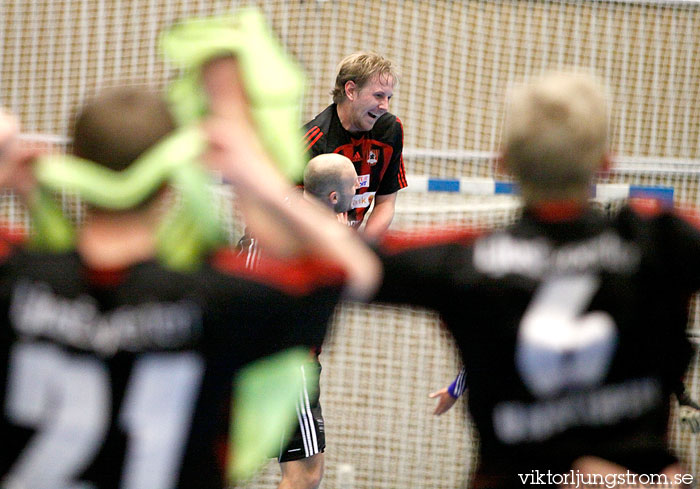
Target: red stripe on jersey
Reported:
[(402, 174), (13, 234), (10, 236), (314, 141), (310, 133), (5, 249), (402, 169), (294, 277), (646, 207), (654, 207), (110, 277), (398, 241), (690, 214), (563, 210)]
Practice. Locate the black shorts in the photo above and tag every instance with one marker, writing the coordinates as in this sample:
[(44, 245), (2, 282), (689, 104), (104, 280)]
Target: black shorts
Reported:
[(309, 436)]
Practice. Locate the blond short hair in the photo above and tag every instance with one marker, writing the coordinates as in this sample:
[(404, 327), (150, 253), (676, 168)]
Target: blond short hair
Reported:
[(556, 134), (360, 67)]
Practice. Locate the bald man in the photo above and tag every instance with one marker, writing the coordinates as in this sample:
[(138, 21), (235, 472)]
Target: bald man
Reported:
[(331, 181)]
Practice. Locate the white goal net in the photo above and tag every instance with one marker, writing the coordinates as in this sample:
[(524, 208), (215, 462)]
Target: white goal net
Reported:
[(456, 60)]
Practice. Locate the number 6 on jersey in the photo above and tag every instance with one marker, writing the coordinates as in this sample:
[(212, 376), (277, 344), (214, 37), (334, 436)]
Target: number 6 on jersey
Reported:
[(557, 348)]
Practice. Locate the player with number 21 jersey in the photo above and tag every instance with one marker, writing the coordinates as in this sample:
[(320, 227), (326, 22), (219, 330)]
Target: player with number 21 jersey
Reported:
[(121, 378)]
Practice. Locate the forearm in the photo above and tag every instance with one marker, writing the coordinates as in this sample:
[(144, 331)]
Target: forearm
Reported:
[(8, 129), (236, 152), (16, 172), (380, 218)]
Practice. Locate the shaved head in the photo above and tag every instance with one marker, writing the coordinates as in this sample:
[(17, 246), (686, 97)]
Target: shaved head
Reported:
[(332, 179)]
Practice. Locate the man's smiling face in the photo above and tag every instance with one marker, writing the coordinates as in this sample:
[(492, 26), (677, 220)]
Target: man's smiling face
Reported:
[(369, 103)]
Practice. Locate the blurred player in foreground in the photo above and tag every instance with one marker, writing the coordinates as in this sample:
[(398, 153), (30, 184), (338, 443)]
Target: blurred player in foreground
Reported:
[(358, 125), (561, 318), (113, 367)]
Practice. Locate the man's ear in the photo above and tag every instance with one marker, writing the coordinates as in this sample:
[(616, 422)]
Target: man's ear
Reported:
[(333, 197), (350, 90)]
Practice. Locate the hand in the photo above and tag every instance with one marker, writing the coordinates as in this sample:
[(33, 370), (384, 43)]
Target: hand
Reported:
[(690, 419), (9, 129), (342, 217), (15, 158), (445, 401)]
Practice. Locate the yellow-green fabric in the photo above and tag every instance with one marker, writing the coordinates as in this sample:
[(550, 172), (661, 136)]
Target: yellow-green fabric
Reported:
[(273, 81)]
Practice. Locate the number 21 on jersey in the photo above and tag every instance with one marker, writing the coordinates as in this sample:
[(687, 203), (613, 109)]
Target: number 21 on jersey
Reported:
[(67, 399)]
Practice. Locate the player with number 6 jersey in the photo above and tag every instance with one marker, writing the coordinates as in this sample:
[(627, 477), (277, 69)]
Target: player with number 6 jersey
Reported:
[(567, 320)]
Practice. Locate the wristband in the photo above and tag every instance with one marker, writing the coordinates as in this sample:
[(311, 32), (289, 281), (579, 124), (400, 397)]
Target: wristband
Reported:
[(458, 386)]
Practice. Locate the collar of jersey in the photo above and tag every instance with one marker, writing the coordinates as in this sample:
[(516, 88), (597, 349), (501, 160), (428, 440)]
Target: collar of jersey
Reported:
[(556, 211)]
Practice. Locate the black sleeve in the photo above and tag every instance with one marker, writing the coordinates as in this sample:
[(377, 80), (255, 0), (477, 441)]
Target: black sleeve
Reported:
[(256, 319), (394, 178), (422, 276), (683, 239)]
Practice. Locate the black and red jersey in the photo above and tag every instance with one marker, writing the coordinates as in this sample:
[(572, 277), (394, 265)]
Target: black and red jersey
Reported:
[(122, 379), (572, 331), (376, 154)]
